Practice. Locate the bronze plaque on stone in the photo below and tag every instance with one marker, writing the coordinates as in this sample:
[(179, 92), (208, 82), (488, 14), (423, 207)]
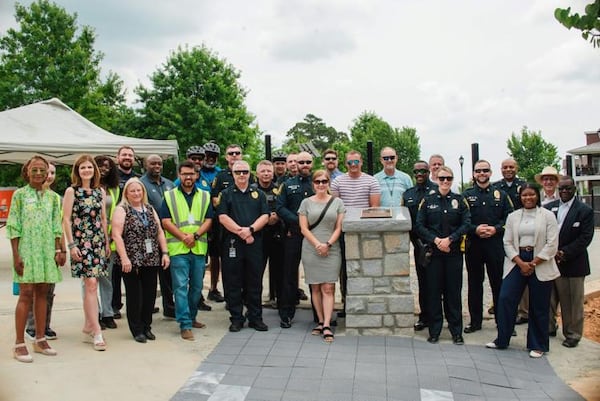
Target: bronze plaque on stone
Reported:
[(376, 213)]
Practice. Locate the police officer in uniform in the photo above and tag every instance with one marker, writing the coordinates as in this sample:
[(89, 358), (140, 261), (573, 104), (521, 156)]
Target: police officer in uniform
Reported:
[(279, 167), (411, 198), (291, 194), (489, 209), (243, 212), (273, 232), (442, 220)]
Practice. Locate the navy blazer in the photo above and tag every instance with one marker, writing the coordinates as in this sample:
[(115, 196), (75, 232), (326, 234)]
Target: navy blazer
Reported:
[(575, 236)]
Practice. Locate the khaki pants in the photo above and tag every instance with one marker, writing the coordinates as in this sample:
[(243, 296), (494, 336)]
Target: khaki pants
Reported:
[(569, 293)]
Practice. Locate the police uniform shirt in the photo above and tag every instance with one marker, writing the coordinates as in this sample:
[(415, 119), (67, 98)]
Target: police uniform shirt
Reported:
[(291, 194), (511, 190), (155, 190), (244, 207), (165, 213), (413, 196), (488, 206), (271, 193)]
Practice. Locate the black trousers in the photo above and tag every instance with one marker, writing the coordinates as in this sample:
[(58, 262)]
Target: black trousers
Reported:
[(140, 293), (166, 291), (488, 252), (242, 269), (117, 274), (444, 284), (273, 254), (421, 279), (289, 278)]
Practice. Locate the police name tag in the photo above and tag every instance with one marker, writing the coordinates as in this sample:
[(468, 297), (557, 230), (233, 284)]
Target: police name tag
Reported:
[(148, 245)]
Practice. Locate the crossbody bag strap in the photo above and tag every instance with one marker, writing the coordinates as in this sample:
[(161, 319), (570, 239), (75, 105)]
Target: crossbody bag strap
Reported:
[(316, 223)]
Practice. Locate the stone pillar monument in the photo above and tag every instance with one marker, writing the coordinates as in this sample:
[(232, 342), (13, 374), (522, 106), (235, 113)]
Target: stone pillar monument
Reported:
[(379, 300)]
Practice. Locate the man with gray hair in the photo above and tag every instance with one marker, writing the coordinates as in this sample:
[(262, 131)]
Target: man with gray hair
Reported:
[(393, 182)]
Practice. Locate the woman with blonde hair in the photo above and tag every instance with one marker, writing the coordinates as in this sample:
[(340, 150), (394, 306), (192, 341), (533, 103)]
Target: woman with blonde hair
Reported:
[(84, 222), (141, 250)]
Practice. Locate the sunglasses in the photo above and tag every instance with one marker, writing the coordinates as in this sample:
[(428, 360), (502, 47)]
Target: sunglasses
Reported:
[(304, 161), (319, 182), (188, 174), (330, 159), (445, 178), (388, 158), (566, 188), (482, 170), (241, 172), (197, 158), (353, 162), (234, 153), (420, 171)]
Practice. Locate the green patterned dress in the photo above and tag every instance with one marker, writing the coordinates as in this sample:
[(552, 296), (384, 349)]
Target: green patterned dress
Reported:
[(35, 218)]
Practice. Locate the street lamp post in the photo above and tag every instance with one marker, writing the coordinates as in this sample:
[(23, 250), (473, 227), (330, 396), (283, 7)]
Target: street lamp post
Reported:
[(461, 160)]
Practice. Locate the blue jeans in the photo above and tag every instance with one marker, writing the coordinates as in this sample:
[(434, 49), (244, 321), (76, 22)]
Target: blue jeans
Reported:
[(187, 272)]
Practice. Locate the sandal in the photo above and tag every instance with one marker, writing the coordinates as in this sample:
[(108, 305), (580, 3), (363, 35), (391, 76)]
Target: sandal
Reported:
[(328, 338), (27, 358), (318, 330), (99, 344), (41, 346)]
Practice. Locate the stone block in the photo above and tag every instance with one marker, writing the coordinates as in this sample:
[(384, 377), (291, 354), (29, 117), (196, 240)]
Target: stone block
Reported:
[(352, 248), (376, 308), (396, 264), (356, 304), (372, 268), (404, 331), (358, 321), (352, 332), (389, 321), (353, 268), (402, 304), (360, 285), (392, 242), (372, 248), (404, 320), (382, 282), (382, 331), (401, 285), (385, 290)]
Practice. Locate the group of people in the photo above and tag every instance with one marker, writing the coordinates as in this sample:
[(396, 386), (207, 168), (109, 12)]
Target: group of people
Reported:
[(119, 226)]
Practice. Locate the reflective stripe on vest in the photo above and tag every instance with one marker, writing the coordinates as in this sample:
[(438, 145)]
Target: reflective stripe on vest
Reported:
[(179, 209), (114, 195)]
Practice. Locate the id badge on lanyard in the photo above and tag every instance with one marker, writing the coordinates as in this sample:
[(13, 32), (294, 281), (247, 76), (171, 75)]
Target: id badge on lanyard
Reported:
[(148, 245)]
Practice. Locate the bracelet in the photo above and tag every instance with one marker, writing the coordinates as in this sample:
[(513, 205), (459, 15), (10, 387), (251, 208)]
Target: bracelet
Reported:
[(165, 253), (71, 245)]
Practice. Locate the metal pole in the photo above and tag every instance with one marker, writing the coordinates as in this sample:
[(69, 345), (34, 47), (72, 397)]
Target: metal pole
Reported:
[(370, 157), (268, 147), (461, 160)]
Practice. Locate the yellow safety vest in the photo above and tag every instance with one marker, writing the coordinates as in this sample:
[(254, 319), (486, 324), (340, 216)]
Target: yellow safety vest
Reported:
[(180, 216), (114, 195)]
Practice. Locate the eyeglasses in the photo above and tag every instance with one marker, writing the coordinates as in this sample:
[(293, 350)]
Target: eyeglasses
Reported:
[(549, 178), (330, 159), (566, 188), (319, 182), (234, 153), (353, 162), (39, 170), (481, 170), (420, 171), (388, 158), (445, 178), (304, 161), (241, 172)]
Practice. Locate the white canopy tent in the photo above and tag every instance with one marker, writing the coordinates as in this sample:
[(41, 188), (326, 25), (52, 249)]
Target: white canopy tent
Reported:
[(52, 129)]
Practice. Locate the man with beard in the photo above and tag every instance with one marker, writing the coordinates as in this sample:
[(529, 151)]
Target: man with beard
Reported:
[(330, 162), (186, 215), (575, 233), (156, 186), (279, 167), (125, 159), (411, 199), (273, 231), (489, 209), (243, 212), (291, 194)]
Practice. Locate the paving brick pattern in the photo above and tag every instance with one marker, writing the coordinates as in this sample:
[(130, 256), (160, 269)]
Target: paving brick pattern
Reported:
[(291, 364)]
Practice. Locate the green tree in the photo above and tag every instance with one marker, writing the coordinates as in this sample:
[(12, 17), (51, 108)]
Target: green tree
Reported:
[(48, 56), (370, 127), (588, 23), (532, 153), (312, 129), (195, 97)]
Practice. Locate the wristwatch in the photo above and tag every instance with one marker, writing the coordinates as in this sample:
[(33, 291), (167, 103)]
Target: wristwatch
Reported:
[(197, 236), (251, 229)]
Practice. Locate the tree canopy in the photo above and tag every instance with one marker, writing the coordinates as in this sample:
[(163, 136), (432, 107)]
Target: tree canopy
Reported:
[(312, 129), (588, 23), (50, 56), (194, 97), (370, 127), (532, 153)]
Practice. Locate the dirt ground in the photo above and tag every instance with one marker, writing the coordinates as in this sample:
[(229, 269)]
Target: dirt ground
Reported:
[(591, 326)]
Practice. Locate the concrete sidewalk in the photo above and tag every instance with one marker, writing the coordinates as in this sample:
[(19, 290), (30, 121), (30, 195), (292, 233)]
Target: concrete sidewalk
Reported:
[(159, 370)]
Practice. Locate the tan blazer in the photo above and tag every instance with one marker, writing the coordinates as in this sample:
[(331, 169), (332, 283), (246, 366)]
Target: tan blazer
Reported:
[(546, 243)]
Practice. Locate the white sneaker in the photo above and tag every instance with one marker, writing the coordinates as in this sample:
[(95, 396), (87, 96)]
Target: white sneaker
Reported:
[(536, 354), (491, 345)]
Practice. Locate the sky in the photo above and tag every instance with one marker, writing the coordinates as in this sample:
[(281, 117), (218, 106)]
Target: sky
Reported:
[(460, 72)]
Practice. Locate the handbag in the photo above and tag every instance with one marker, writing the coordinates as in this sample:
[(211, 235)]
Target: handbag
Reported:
[(316, 223)]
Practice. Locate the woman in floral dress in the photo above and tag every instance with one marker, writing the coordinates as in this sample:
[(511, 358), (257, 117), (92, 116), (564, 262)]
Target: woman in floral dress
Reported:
[(33, 227), (84, 222)]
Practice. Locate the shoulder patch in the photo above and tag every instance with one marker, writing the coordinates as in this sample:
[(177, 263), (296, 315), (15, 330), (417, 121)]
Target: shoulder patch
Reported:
[(218, 202), (276, 191)]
